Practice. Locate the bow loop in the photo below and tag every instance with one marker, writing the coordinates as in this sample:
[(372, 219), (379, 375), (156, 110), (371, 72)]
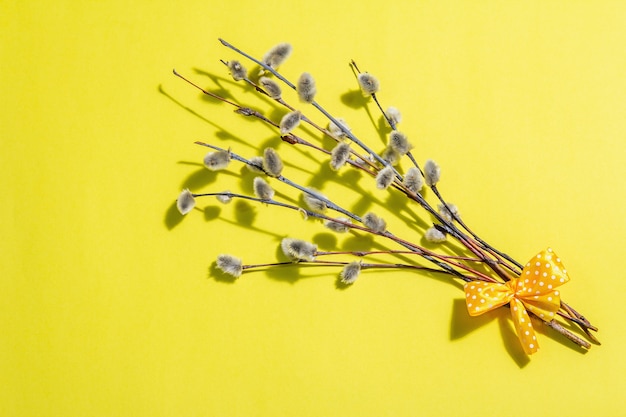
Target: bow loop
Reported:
[(536, 286), (542, 273), (481, 296)]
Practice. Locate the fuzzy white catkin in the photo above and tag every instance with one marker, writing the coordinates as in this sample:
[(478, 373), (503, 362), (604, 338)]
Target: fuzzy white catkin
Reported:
[(237, 71), (298, 250), (314, 203), (432, 172), (413, 180), (271, 87), (230, 265), (277, 55), (272, 164), (384, 178), (435, 235), (290, 121), (390, 155), (336, 131), (372, 221), (368, 83), (339, 155), (394, 115), (448, 211), (185, 202), (350, 272), (216, 161), (256, 164), (399, 142), (262, 189), (336, 226), (306, 88)]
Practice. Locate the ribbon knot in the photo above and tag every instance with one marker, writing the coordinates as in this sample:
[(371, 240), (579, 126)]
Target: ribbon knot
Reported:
[(533, 290)]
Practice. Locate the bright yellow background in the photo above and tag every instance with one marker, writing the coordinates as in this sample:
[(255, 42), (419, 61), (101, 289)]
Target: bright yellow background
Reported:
[(109, 305)]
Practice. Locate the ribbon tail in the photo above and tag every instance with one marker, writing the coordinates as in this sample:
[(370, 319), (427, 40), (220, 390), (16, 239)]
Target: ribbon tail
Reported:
[(523, 327)]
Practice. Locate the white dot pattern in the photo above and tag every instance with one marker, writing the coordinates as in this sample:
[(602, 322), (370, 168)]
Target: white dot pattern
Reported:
[(536, 294)]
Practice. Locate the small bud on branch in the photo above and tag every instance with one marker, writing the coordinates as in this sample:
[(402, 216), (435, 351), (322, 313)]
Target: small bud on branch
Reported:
[(413, 180), (432, 172), (336, 130), (290, 121), (230, 265), (385, 178), (237, 71), (185, 202), (368, 83), (336, 226), (298, 250), (372, 221), (271, 87), (262, 189), (216, 161), (399, 142), (339, 155), (314, 203), (277, 55), (350, 272), (306, 88), (434, 235), (272, 164)]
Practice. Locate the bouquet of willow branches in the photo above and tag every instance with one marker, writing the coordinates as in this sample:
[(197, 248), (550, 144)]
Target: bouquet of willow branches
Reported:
[(491, 278)]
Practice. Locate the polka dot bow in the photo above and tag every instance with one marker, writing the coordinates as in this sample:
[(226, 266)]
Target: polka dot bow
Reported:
[(534, 290)]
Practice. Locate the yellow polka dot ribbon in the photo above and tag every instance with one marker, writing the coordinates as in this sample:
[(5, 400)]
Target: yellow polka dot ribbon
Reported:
[(534, 290)]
